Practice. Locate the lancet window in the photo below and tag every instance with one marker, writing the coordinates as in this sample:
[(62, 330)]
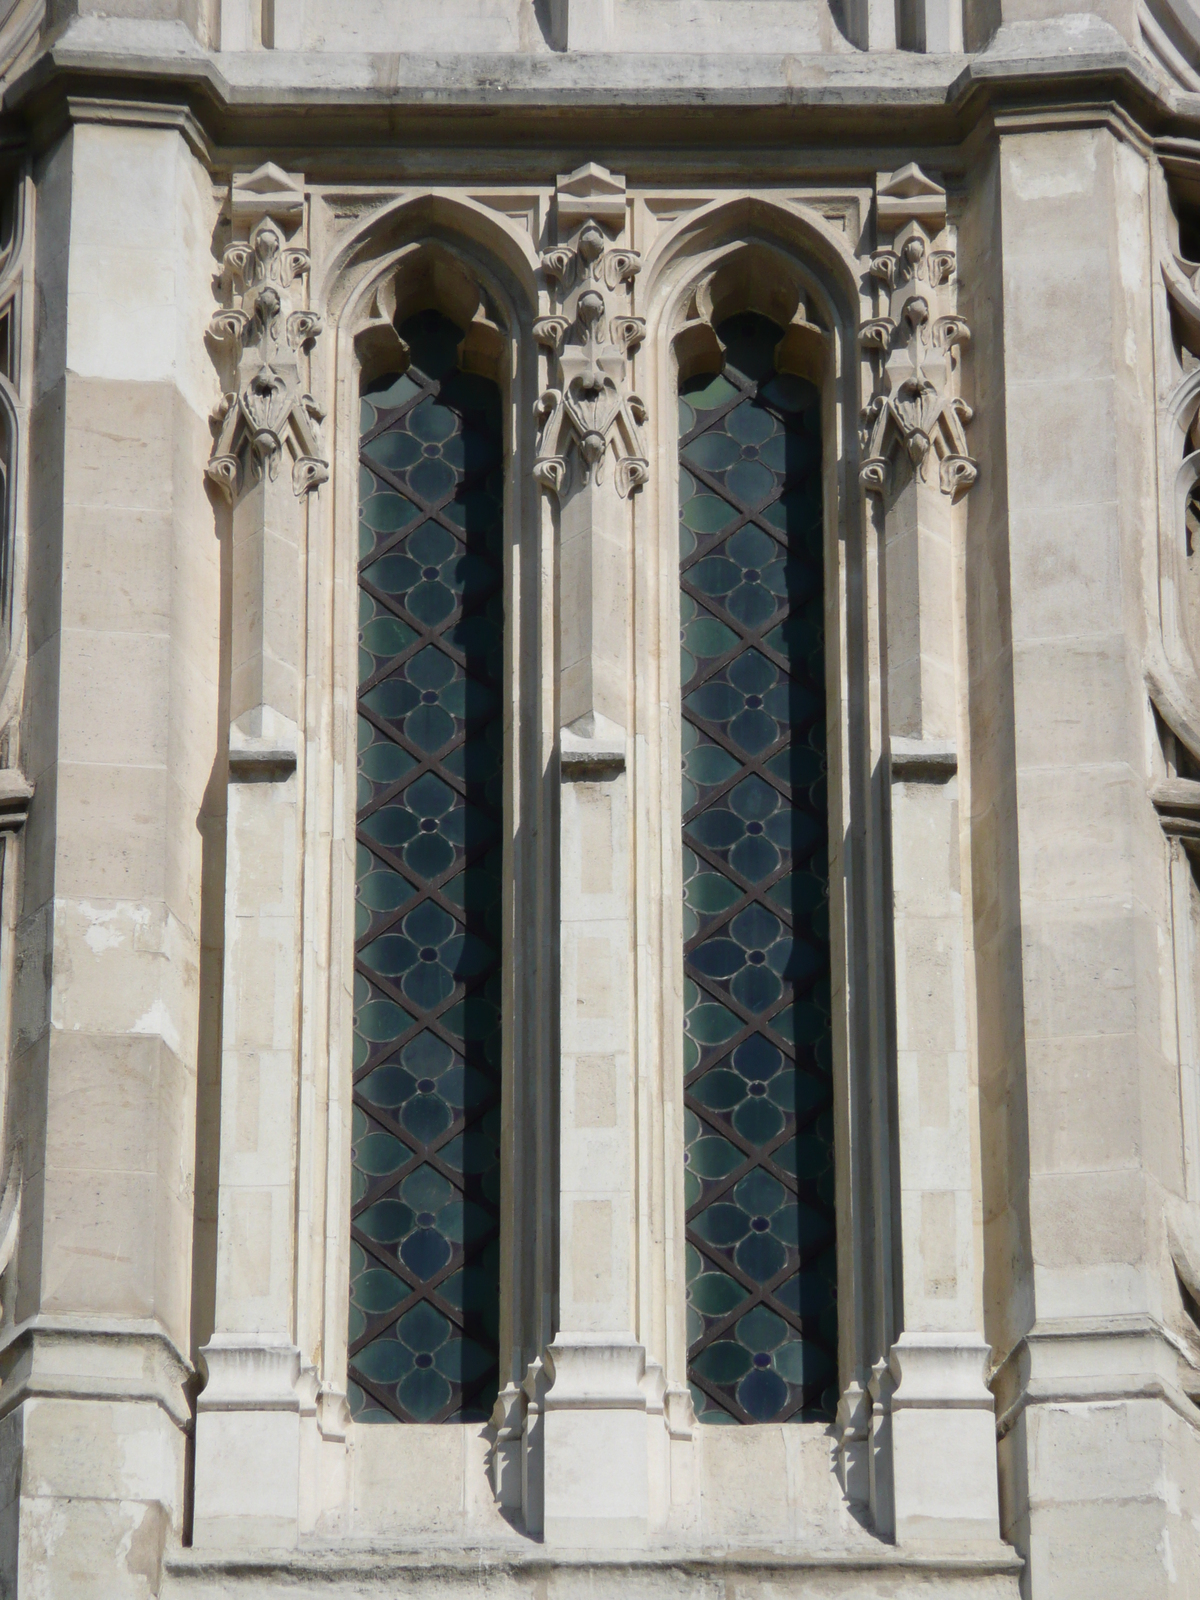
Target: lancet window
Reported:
[(762, 1317), (424, 1277)]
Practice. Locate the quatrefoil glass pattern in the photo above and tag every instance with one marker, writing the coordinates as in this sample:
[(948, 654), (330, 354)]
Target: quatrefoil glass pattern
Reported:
[(424, 1272), (758, 1090)]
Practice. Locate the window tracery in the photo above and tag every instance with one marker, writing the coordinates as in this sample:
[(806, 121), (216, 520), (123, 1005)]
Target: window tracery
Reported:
[(424, 1317), (762, 1320)]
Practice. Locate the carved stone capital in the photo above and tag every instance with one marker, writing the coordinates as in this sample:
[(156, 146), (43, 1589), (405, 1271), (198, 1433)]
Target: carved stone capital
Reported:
[(265, 414), (590, 414), (914, 341)]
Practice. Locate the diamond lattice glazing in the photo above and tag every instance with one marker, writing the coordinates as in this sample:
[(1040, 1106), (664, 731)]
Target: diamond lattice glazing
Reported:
[(424, 1289), (762, 1317)]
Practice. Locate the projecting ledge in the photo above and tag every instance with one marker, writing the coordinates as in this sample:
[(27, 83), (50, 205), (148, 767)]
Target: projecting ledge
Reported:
[(1177, 802), (676, 1569), (592, 752), (16, 795), (922, 760)]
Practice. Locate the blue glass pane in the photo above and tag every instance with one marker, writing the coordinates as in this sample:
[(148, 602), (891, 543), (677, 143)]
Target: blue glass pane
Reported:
[(762, 1314), (424, 1289)]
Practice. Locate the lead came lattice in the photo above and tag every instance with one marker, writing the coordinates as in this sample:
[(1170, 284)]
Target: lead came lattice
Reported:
[(762, 1319), (424, 1275)]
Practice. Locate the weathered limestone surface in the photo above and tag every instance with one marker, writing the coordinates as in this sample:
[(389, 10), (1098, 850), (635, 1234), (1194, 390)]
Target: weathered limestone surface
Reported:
[(977, 225), (119, 737)]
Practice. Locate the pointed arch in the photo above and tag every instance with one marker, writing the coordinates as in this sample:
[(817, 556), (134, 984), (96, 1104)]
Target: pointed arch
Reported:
[(819, 253), (786, 265), (503, 256), (431, 300)]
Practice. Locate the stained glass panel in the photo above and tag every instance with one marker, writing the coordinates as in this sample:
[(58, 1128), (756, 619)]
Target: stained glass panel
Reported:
[(424, 1274), (758, 1089)]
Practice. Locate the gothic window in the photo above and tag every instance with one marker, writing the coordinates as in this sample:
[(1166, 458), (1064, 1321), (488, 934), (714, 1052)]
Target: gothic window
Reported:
[(424, 1289), (757, 1032)]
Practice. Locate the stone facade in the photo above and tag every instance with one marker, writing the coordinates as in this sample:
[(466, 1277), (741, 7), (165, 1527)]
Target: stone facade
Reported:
[(972, 232)]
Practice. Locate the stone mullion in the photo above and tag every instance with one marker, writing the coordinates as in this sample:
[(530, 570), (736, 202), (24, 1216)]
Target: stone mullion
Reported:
[(595, 1420), (267, 459), (933, 1471)]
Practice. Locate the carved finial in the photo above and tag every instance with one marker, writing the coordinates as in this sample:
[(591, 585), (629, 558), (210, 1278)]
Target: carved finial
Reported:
[(267, 191), (591, 191), (907, 195)]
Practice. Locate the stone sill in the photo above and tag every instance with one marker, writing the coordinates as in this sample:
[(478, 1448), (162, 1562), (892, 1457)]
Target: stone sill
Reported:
[(382, 1562)]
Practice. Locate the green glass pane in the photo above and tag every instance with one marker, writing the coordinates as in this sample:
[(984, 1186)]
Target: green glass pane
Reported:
[(392, 450), (723, 1362), (385, 1361), (387, 511), (713, 1157), (704, 393), (750, 423), (750, 481), (762, 715), (432, 931), (710, 893), (706, 637), (714, 452), (387, 636), (714, 1294), (706, 513), (377, 1291), (387, 393)]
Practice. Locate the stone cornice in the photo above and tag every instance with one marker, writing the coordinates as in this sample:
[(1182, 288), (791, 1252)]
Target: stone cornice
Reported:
[(1092, 1360), (358, 109), (481, 1565)]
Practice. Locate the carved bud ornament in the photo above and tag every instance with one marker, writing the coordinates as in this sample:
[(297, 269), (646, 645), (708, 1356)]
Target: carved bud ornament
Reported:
[(914, 346), (268, 412), (591, 413)]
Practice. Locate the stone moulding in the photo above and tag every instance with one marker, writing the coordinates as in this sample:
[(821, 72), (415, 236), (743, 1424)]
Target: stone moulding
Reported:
[(922, 760), (584, 759), (268, 413), (1177, 803), (261, 765), (1180, 278)]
